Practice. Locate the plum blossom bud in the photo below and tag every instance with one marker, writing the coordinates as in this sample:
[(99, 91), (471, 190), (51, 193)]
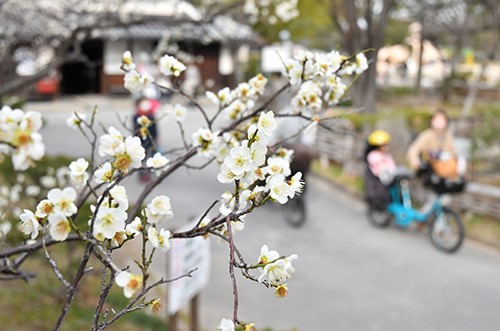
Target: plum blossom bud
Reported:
[(127, 61), (156, 306), (281, 291)]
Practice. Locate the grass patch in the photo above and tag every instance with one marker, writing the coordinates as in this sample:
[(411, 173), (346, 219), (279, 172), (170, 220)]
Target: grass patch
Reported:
[(482, 228), (335, 173), (36, 305)]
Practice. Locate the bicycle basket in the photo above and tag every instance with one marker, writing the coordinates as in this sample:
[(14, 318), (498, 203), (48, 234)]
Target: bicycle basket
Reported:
[(444, 185)]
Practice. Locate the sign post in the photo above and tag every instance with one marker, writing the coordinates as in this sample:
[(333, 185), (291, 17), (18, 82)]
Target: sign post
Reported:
[(184, 256)]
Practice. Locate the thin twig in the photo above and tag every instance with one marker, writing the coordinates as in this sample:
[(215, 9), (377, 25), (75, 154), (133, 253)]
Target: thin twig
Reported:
[(106, 285), (54, 266), (206, 213)]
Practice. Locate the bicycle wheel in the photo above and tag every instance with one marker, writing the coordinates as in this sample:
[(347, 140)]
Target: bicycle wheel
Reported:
[(447, 231), (379, 218), (294, 211)]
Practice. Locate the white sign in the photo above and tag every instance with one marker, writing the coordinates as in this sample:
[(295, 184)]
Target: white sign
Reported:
[(184, 256), (273, 57)]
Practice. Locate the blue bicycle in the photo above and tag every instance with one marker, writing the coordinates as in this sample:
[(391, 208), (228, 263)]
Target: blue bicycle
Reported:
[(446, 230)]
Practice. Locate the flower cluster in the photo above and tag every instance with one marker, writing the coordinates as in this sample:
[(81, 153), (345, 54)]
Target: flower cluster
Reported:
[(110, 215), (170, 66), (19, 137), (134, 81), (233, 104), (319, 77), (257, 175), (271, 10), (54, 211), (275, 268), (126, 152)]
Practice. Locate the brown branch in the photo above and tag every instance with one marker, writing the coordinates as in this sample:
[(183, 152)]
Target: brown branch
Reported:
[(34, 247), (54, 266), (70, 293), (231, 270), (106, 285), (130, 306)]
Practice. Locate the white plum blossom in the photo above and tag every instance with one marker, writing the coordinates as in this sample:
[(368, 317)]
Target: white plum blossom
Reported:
[(308, 98), (203, 139), (59, 226), (109, 221), (104, 173), (225, 325), (63, 200), (267, 123), (239, 161), (157, 162), (133, 151), (294, 71), (127, 61), (296, 184), (244, 92), (227, 203), (78, 172), (32, 190), (277, 165), (5, 228), (267, 256), (170, 66), (111, 143), (179, 112), (235, 109), (287, 10), (44, 208), (159, 210), (19, 130), (279, 189), (225, 175), (222, 98), (135, 82), (48, 181), (361, 62), (119, 198), (134, 228), (258, 83), (159, 239), (131, 283), (75, 120), (278, 271), (336, 89), (258, 153), (275, 269), (62, 175), (29, 224)]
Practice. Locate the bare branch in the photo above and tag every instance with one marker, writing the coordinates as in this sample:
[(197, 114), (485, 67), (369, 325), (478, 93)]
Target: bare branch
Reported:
[(54, 266)]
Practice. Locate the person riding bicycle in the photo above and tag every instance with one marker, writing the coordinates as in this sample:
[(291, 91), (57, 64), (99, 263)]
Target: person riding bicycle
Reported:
[(433, 156), (380, 171)]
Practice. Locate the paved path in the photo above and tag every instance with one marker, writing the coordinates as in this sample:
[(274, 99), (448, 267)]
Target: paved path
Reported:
[(350, 276)]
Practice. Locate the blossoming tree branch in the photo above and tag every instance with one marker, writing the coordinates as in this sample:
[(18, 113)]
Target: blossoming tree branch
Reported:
[(254, 172)]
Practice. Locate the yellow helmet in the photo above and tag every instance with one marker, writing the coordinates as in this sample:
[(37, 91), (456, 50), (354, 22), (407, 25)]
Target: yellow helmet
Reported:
[(379, 138)]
